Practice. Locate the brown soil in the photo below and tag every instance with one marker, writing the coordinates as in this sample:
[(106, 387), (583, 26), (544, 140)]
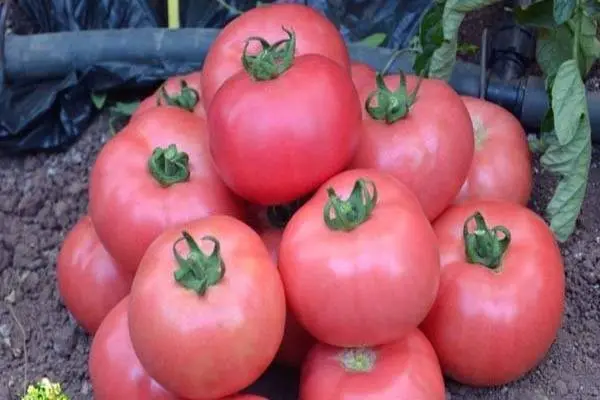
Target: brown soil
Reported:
[(42, 196)]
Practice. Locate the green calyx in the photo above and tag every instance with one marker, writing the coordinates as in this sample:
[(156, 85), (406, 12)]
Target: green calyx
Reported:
[(198, 271), (169, 165), (358, 360), (272, 60), (345, 215), (279, 215), (485, 246), (391, 106), (187, 98)]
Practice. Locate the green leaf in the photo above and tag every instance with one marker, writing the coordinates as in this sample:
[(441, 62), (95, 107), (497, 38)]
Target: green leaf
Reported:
[(374, 40), (430, 37), (591, 8), (99, 100), (589, 46), (467, 48), (444, 57), (569, 150), (538, 15), (554, 47), (563, 10), (126, 109)]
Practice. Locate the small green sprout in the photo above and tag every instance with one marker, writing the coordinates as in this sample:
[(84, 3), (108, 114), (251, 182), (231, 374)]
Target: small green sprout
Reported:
[(45, 390)]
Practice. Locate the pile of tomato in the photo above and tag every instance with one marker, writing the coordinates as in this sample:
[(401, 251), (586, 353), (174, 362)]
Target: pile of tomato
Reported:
[(287, 205)]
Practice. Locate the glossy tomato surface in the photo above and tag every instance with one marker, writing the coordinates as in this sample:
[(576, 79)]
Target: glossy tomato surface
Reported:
[(115, 371), (89, 281), (405, 369), (315, 35), (275, 141), (296, 340), (430, 149), (492, 326), (246, 397), (501, 168), (130, 208), (367, 286), (173, 89), (214, 344)]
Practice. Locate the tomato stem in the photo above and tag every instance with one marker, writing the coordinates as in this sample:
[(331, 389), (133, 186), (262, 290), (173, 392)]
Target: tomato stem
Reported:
[(187, 98), (358, 360), (391, 106), (485, 246), (169, 166), (350, 213), (279, 215), (198, 271), (273, 59)]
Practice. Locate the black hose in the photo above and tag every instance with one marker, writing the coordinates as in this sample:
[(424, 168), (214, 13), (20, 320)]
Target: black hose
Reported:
[(53, 55)]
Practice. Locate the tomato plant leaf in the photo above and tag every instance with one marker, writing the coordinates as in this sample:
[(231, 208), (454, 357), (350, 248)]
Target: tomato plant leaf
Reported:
[(444, 57), (589, 46), (430, 37), (563, 10), (538, 15), (554, 47), (99, 100), (592, 8), (569, 149), (374, 40)]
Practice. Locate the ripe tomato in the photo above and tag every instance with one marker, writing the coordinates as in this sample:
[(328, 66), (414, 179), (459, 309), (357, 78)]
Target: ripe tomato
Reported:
[(499, 308), (154, 174), (362, 75), (501, 168), (89, 281), (316, 35), (276, 139), (425, 141), (405, 369), (246, 397), (296, 340), (115, 371), (180, 91), (362, 271), (219, 319)]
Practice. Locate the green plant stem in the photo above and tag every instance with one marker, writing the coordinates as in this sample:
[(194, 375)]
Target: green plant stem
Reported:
[(199, 271), (345, 215), (169, 165), (485, 246)]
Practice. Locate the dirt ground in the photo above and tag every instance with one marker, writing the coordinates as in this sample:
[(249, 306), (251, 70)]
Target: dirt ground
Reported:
[(42, 197)]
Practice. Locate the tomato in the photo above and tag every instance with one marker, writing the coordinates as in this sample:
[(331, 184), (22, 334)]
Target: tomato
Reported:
[(425, 141), (498, 308), (405, 369), (277, 139), (296, 341), (315, 35), (89, 281), (362, 76), (132, 203), (219, 319), (180, 91), (501, 168), (246, 397), (359, 261), (115, 371)]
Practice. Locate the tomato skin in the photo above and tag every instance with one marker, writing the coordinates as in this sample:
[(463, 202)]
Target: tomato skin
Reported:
[(89, 281), (254, 152), (362, 76), (128, 206), (115, 371), (490, 328), (501, 168), (405, 369), (296, 340), (246, 397), (332, 277), (214, 345), (430, 150), (172, 87), (315, 34)]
